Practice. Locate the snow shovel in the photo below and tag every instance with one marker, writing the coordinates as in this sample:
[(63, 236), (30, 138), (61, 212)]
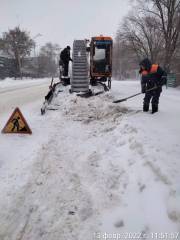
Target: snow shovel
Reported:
[(125, 99)]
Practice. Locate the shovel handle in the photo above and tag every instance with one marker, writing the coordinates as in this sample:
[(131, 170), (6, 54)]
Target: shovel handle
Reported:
[(125, 99)]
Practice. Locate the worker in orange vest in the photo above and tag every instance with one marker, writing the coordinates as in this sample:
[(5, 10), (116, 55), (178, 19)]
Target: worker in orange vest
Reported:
[(152, 77)]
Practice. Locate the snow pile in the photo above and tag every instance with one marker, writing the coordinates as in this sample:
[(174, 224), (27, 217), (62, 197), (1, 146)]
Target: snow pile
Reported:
[(97, 109)]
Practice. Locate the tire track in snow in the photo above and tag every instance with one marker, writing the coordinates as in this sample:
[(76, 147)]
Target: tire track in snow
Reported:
[(58, 196)]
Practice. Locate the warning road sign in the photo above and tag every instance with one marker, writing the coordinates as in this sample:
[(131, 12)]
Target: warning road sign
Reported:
[(17, 124)]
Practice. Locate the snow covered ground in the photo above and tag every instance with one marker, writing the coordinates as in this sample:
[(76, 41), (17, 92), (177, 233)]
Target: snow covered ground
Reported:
[(92, 169)]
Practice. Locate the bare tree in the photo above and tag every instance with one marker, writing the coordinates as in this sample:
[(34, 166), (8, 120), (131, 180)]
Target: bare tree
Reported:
[(1, 44), (168, 13), (144, 35), (138, 36), (124, 58), (150, 30), (18, 44), (48, 59)]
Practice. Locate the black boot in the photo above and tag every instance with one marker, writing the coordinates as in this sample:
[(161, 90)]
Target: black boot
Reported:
[(154, 108), (145, 107)]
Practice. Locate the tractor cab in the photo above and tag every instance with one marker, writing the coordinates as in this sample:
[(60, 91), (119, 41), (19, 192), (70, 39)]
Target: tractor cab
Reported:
[(101, 60)]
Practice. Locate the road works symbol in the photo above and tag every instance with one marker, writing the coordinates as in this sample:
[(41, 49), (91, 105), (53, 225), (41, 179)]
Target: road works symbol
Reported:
[(16, 124)]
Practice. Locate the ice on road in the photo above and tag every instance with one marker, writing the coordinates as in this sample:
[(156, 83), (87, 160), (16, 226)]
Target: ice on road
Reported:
[(93, 168)]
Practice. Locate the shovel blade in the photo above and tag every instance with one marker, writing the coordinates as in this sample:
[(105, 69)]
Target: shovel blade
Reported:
[(120, 100)]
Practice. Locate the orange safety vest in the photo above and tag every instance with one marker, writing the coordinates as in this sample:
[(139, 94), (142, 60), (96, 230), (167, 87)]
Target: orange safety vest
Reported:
[(153, 69)]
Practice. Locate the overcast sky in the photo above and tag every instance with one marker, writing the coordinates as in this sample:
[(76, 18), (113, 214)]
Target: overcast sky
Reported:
[(62, 21)]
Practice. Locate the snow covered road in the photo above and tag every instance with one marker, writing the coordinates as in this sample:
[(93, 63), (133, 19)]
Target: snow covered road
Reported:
[(21, 93), (93, 168)]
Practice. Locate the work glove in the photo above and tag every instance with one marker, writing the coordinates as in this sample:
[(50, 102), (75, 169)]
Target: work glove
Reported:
[(140, 70), (163, 80), (143, 88)]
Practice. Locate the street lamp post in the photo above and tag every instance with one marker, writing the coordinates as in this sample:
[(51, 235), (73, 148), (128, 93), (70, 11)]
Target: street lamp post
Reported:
[(35, 57), (36, 36)]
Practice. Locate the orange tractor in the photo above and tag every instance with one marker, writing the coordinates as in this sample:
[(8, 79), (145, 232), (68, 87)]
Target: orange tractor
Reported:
[(94, 68), (101, 61)]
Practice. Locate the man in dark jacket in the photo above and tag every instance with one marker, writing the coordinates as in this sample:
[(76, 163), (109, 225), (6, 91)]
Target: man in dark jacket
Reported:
[(153, 77), (64, 60)]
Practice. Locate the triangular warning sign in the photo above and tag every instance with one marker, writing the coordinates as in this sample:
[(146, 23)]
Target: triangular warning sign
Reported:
[(17, 124)]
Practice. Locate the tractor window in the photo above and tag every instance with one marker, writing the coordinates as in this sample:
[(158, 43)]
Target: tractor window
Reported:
[(100, 54), (101, 58)]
